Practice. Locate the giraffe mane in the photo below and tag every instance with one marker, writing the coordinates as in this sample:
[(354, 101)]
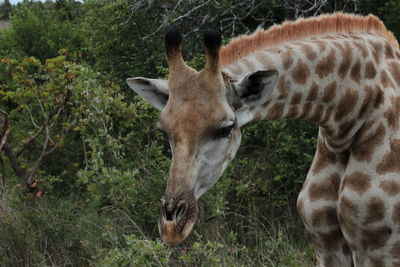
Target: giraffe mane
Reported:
[(302, 28)]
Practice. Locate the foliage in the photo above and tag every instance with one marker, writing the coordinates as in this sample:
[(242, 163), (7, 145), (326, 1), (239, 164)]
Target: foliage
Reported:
[(5, 9), (39, 29), (97, 165)]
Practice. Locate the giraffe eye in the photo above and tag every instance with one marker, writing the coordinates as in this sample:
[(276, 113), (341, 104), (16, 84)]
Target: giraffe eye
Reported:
[(224, 132)]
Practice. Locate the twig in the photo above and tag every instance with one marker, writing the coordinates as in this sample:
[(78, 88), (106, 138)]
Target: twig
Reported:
[(30, 140), (31, 116), (18, 170), (85, 153), (4, 138), (28, 178), (64, 132), (191, 11), (6, 131)]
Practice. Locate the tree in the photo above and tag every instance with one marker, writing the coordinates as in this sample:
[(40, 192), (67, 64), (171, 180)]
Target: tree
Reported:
[(5, 10)]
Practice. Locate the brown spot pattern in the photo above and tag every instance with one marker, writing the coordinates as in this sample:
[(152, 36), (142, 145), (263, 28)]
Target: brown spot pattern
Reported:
[(306, 110), (325, 216), (346, 61), (308, 51), (329, 92), (361, 47), (323, 157), (332, 239), (375, 210), (276, 111), (390, 162), (389, 54), (396, 213), (347, 212), (318, 113), (283, 87), (372, 98), (392, 115), (346, 104), (386, 80), (345, 128), (313, 93), (300, 209), (339, 46), (266, 104), (375, 238), (321, 45), (379, 97), (296, 98), (366, 104), (328, 189), (327, 114), (394, 69), (287, 60), (370, 71), (358, 182), (391, 187), (376, 50), (301, 73), (356, 72), (326, 65), (364, 149), (293, 112)]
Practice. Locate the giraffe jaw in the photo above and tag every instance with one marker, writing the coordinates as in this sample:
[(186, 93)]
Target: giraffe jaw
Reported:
[(170, 234)]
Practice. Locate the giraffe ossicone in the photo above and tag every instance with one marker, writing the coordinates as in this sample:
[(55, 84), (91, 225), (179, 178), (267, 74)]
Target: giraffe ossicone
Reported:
[(341, 71)]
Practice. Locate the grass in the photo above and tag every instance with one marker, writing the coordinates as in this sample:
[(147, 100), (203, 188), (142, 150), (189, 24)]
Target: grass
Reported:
[(65, 232)]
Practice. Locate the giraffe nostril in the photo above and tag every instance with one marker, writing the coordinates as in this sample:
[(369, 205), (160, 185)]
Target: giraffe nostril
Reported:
[(172, 213), (168, 210), (181, 211), (169, 215)]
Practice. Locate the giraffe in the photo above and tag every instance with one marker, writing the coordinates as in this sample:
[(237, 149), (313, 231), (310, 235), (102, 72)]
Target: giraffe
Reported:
[(341, 71)]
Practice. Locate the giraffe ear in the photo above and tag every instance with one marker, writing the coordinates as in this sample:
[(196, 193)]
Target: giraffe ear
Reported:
[(256, 88), (154, 91)]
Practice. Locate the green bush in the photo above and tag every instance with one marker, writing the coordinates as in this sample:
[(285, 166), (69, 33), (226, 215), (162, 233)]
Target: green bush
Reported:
[(95, 199), (38, 30)]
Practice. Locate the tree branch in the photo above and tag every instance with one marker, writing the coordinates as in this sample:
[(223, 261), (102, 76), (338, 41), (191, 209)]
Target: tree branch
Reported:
[(6, 131), (64, 132), (18, 170), (31, 174), (30, 140)]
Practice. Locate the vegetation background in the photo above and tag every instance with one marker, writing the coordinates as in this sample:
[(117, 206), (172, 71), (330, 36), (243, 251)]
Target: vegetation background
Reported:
[(82, 167)]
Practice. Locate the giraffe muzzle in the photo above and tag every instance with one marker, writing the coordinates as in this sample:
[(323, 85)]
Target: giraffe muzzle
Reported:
[(177, 219)]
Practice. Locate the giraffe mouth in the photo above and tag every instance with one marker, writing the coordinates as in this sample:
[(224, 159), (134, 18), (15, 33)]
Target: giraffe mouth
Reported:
[(177, 219)]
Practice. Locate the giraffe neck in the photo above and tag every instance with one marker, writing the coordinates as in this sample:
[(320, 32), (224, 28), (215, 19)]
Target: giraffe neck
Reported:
[(334, 80)]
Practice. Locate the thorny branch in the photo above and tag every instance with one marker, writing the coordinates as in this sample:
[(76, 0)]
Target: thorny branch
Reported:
[(48, 146), (230, 17), (6, 129), (303, 8), (200, 14)]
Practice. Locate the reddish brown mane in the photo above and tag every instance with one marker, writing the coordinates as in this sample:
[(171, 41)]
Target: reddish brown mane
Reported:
[(302, 28)]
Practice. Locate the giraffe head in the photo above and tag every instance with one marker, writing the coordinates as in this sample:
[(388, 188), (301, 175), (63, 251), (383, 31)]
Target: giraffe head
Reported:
[(201, 113)]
